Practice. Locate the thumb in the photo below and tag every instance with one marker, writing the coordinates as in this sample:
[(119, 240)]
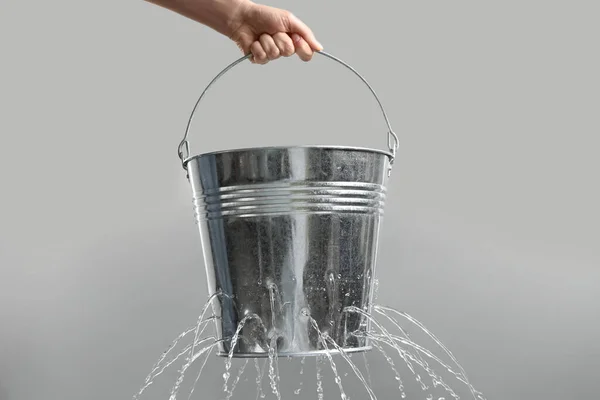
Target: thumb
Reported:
[(243, 41), (299, 27)]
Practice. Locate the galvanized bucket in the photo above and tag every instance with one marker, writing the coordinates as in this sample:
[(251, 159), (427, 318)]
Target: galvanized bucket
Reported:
[(289, 236)]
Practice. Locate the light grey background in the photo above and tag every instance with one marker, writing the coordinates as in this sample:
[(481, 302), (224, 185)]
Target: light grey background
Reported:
[(491, 230)]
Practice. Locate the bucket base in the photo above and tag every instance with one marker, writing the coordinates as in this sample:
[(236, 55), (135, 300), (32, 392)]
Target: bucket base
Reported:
[(297, 354)]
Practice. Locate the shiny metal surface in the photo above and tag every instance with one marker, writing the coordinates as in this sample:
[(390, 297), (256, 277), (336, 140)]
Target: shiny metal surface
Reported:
[(286, 233), (289, 236)]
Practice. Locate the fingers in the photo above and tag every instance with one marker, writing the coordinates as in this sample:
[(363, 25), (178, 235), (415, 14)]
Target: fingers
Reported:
[(268, 47), (259, 55), (268, 44), (297, 26), (284, 44), (303, 49), (264, 50)]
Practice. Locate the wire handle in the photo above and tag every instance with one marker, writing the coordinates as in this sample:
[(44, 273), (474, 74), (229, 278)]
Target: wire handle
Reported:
[(183, 149)]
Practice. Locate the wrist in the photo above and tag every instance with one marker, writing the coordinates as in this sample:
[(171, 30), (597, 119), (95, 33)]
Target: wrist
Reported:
[(224, 16), (237, 14)]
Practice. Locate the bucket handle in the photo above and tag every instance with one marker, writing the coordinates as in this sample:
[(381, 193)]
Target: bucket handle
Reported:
[(183, 149)]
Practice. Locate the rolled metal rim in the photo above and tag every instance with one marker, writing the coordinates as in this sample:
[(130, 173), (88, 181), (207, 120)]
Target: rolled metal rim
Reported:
[(315, 353), (316, 147)]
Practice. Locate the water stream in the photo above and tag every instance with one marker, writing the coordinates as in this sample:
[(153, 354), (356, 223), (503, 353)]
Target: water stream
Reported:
[(385, 372)]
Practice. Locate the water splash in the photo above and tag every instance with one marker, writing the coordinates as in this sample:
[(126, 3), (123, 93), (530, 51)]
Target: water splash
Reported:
[(359, 374), (406, 355), (384, 310), (388, 329), (191, 360), (302, 361), (390, 362), (160, 366), (272, 373), (200, 327), (237, 379), (210, 349), (367, 368), (323, 338), (319, 368), (260, 373), (234, 341)]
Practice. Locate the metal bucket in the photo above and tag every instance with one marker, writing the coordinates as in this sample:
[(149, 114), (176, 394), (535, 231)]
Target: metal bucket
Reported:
[(289, 236)]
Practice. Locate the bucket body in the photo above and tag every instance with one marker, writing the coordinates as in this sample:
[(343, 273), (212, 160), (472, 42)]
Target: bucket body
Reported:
[(289, 236)]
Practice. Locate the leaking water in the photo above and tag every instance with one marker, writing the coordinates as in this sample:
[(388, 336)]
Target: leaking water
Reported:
[(260, 373), (319, 378), (417, 370), (302, 362)]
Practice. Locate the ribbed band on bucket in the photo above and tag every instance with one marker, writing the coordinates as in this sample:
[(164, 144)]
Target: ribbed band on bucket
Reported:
[(289, 198)]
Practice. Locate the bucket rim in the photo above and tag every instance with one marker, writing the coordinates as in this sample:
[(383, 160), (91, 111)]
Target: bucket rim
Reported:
[(322, 147)]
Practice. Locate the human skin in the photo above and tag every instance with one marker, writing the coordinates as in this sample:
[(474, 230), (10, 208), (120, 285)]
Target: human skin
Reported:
[(266, 32)]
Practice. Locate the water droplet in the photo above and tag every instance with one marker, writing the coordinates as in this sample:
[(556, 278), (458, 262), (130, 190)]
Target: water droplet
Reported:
[(397, 340), (375, 289), (226, 378)]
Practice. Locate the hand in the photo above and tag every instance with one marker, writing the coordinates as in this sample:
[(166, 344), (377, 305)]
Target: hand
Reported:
[(269, 33)]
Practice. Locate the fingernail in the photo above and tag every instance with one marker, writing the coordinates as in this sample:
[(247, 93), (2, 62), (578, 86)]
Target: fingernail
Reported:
[(295, 37), (320, 46)]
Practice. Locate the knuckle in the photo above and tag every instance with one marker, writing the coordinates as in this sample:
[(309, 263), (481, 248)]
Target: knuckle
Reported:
[(258, 52), (289, 50), (264, 37), (274, 52), (287, 15)]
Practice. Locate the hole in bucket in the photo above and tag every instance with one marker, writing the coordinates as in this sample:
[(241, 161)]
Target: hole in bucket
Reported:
[(281, 343)]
